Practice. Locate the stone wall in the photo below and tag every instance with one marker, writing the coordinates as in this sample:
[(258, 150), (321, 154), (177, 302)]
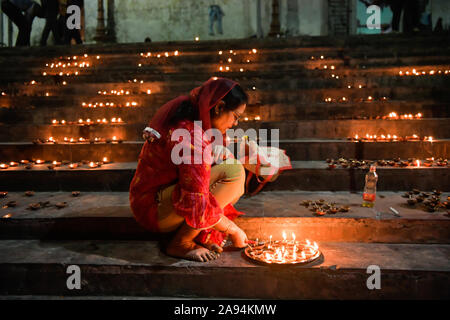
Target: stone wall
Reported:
[(173, 20)]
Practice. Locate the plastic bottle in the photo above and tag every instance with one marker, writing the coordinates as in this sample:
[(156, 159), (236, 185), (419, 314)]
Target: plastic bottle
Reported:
[(370, 188)]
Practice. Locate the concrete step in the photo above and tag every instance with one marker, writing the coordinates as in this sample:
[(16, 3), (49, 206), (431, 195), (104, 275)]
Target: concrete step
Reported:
[(357, 44), (251, 65), (302, 78), (268, 94), (296, 149), (209, 54), (289, 101), (305, 175), (408, 271), (83, 85), (107, 215), (60, 110), (187, 54), (307, 129)]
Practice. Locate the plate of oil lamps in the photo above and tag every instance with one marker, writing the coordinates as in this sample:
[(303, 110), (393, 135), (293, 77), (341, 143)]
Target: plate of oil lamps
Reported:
[(283, 252)]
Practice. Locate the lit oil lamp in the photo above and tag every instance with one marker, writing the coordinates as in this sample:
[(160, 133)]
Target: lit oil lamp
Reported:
[(105, 160), (39, 161), (417, 163), (73, 165), (428, 163), (56, 163), (4, 166), (257, 118), (13, 164), (92, 165)]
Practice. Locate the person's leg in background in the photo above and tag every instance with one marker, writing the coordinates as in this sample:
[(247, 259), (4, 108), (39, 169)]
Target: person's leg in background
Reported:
[(411, 16), (50, 9), (219, 24), (74, 33), (16, 16), (396, 7), (211, 22)]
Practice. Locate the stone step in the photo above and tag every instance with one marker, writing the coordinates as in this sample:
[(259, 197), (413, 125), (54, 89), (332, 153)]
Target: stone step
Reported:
[(305, 175), (408, 271), (302, 78), (352, 57), (189, 54), (57, 109), (357, 44), (307, 129), (264, 94), (183, 82), (107, 215), (250, 63), (296, 149)]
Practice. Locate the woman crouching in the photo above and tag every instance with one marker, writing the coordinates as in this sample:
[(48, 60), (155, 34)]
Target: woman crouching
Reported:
[(193, 197)]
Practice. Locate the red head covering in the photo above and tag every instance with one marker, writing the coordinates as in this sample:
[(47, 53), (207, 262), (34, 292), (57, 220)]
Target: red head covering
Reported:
[(203, 98)]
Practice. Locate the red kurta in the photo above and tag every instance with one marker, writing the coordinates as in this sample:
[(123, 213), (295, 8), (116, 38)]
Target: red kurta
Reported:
[(191, 197)]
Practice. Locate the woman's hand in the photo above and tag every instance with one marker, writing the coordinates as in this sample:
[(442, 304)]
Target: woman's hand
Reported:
[(238, 237)]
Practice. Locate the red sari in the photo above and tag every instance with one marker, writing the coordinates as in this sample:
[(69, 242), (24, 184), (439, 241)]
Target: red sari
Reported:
[(155, 171)]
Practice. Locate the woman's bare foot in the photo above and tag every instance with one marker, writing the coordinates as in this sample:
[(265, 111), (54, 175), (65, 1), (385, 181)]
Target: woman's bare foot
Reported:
[(191, 251)]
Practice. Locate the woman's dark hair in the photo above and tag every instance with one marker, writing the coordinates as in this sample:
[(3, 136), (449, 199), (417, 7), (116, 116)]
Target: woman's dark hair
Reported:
[(235, 98)]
